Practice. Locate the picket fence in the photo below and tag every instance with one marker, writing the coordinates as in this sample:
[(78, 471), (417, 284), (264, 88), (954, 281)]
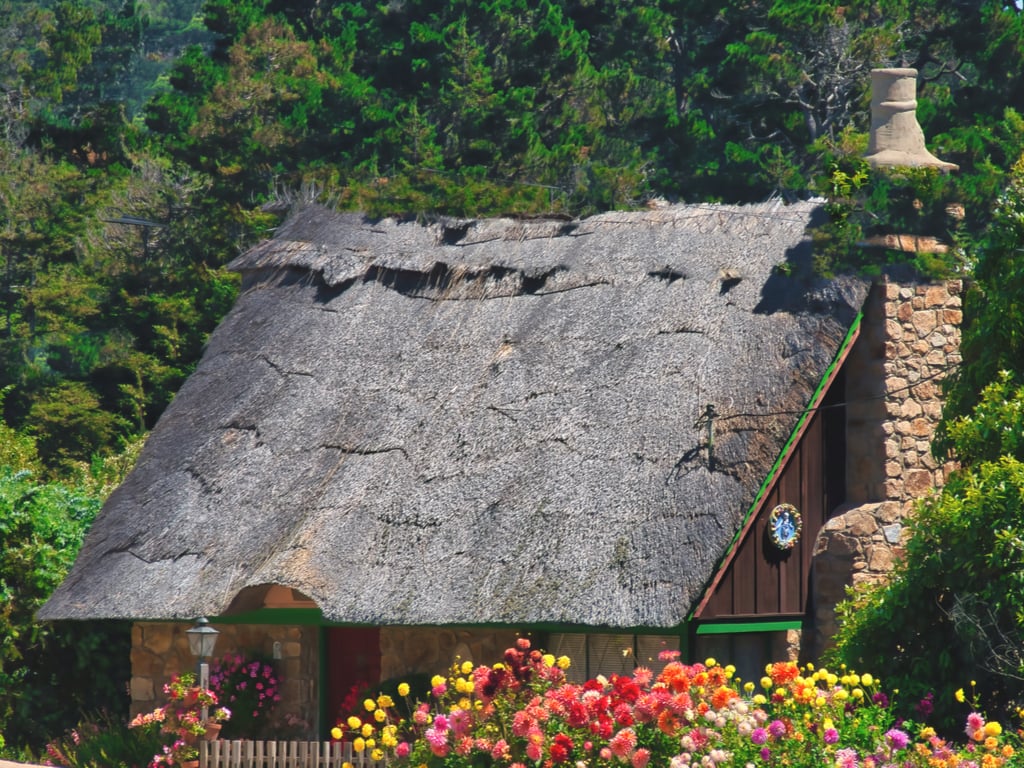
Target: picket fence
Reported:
[(281, 754)]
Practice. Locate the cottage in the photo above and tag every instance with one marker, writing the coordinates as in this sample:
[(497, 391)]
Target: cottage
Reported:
[(408, 442)]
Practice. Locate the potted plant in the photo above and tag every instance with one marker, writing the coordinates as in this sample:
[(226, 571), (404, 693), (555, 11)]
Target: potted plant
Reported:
[(182, 718)]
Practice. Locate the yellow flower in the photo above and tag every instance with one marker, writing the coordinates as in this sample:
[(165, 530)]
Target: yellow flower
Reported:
[(370, 743), (730, 670), (827, 723), (868, 680), (384, 701), (841, 695), (759, 699), (354, 722), (358, 745), (991, 743), (960, 695), (367, 730), (748, 688), (462, 685), (831, 679), (563, 662), (766, 682), (499, 666), (710, 662), (992, 728), (370, 705), (336, 732), (465, 703), (403, 689), (380, 715), (346, 765), (467, 667), (388, 740), (927, 732), (377, 755), (548, 659), (437, 680), (819, 702), (857, 693)]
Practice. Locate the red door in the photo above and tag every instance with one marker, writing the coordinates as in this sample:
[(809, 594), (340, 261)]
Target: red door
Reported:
[(353, 666)]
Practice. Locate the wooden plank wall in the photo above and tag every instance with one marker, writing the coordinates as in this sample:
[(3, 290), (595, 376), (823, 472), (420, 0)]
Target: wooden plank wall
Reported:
[(762, 581)]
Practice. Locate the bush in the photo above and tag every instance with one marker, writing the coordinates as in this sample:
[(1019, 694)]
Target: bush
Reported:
[(249, 686), (104, 741)]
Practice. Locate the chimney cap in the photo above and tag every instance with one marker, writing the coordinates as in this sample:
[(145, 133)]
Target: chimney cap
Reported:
[(896, 138)]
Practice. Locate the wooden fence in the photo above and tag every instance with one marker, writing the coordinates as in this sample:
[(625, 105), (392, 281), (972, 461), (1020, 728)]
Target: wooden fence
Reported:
[(281, 754)]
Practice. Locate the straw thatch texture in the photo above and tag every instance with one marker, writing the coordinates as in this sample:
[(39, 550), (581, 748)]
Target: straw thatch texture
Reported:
[(474, 422)]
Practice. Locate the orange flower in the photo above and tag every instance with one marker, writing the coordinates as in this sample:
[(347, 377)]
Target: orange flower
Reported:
[(783, 672), (722, 696), (668, 723)]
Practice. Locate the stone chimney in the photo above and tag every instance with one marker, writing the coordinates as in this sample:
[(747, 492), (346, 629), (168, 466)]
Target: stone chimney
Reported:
[(896, 138)]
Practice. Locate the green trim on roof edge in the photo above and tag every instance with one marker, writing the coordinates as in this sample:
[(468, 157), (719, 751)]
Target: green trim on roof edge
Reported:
[(770, 478), (313, 616)]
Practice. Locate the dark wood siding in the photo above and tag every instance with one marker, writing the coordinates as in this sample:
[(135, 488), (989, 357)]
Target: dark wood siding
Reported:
[(760, 580)]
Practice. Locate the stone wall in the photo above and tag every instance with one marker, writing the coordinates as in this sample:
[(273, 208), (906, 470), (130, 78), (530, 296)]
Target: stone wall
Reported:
[(910, 337), (160, 651)]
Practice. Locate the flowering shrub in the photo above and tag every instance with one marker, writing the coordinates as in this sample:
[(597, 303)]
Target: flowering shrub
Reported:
[(181, 719), (105, 740), (523, 711), (251, 687)]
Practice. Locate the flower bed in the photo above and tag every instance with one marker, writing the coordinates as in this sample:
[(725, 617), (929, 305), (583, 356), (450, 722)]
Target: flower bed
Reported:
[(522, 711)]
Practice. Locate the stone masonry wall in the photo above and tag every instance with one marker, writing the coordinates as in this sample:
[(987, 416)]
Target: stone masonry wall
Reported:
[(909, 340), (160, 651)]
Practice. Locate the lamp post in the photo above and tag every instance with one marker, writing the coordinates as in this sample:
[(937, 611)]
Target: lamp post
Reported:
[(201, 640)]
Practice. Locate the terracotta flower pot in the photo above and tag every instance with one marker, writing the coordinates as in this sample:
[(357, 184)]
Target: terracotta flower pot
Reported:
[(189, 764), (212, 731)]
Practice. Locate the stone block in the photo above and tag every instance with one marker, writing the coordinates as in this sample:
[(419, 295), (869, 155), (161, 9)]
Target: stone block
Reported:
[(158, 638), (888, 512), (936, 296), (910, 409), (921, 427), (861, 522), (953, 316), (924, 323), (142, 690), (918, 482), (892, 532)]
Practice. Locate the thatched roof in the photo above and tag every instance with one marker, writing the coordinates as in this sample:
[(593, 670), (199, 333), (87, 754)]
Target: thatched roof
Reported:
[(474, 422)]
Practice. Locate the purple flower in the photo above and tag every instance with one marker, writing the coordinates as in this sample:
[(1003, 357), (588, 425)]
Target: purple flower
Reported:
[(777, 729), (925, 706), (831, 736), (880, 699), (766, 754), (759, 736), (897, 738)]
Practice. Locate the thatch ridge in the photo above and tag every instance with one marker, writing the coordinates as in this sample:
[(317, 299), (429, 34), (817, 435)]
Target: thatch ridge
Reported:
[(474, 421)]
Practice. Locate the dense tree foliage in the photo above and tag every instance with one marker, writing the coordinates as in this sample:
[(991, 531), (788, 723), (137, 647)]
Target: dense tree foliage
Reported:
[(142, 139), (42, 667)]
